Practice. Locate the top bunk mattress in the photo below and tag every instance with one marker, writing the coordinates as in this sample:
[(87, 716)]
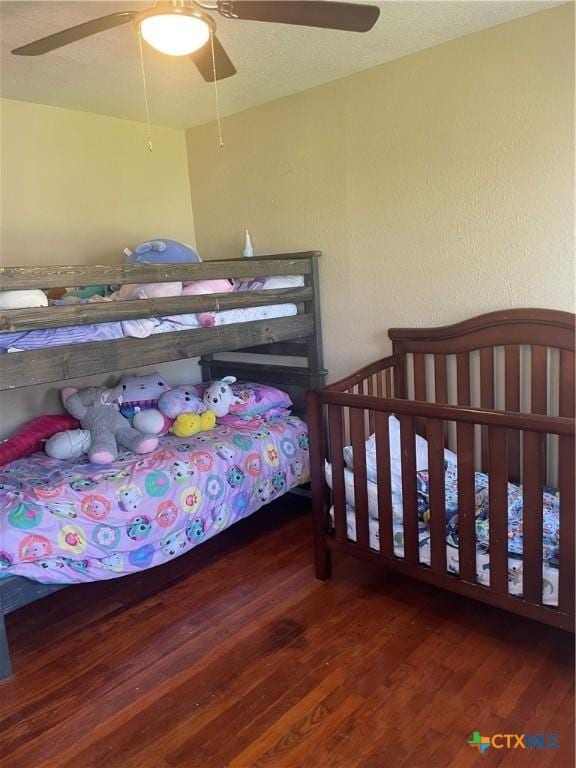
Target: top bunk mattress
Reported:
[(63, 522), (140, 329)]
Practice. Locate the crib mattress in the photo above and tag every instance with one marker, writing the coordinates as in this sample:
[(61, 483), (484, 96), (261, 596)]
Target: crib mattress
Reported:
[(550, 525), (550, 509), (515, 568), (69, 522)]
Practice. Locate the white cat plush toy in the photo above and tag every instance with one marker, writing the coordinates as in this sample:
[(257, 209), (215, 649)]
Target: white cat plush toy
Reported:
[(219, 396)]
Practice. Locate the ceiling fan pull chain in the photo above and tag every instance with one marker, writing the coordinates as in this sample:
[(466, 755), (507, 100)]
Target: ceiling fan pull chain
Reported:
[(216, 97), (148, 129)]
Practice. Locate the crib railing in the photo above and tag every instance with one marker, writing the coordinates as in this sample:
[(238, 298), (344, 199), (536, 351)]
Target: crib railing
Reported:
[(360, 405)]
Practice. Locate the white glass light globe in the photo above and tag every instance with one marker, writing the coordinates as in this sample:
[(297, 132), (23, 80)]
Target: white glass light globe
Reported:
[(174, 33)]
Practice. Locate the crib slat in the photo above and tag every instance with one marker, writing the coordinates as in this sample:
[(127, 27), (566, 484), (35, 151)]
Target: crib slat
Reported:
[(463, 378), (409, 496), (401, 378), (389, 391), (466, 502), (539, 379), (441, 378), (419, 377), (345, 426), (370, 381), (441, 384), (567, 528), (435, 432), (486, 396), (498, 508), (539, 383), (380, 384), (384, 485), (371, 413), (566, 383), (533, 482), (512, 403), (336, 428), (566, 486), (358, 437), (487, 377), (512, 377)]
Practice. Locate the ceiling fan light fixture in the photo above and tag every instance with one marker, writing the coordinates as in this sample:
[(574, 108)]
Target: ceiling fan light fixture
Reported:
[(176, 34)]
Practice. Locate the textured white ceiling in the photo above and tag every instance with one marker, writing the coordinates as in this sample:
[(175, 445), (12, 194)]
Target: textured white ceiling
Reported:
[(101, 74)]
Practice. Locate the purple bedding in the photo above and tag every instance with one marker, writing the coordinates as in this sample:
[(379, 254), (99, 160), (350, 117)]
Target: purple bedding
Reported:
[(66, 522), (55, 337), (141, 329)]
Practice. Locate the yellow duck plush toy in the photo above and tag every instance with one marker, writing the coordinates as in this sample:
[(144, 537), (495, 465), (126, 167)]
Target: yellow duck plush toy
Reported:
[(189, 424), (190, 414)]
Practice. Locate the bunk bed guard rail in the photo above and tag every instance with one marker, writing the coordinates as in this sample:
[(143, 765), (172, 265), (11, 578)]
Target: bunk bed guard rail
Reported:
[(296, 337)]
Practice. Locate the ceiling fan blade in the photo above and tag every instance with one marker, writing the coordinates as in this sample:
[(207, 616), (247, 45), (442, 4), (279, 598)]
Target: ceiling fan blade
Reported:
[(351, 17), (70, 35), (203, 60)]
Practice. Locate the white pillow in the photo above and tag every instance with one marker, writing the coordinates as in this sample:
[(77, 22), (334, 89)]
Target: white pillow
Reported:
[(33, 297), (283, 281), (395, 456), (372, 494)]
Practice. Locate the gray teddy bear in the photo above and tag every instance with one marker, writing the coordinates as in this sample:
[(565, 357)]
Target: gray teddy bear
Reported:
[(96, 408)]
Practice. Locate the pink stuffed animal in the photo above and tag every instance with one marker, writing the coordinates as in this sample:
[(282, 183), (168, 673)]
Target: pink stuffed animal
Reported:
[(147, 291), (202, 287)]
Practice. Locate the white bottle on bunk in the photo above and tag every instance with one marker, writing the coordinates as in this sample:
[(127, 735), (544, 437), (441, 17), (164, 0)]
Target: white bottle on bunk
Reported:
[(248, 250)]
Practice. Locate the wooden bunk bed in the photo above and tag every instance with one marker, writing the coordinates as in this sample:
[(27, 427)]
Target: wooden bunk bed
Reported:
[(284, 351), (499, 390)]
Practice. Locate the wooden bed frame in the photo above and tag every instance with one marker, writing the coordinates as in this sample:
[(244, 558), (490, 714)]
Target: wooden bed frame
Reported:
[(490, 361), (296, 339)]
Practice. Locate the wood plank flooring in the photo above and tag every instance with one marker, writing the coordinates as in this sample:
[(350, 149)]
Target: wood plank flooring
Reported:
[(234, 655)]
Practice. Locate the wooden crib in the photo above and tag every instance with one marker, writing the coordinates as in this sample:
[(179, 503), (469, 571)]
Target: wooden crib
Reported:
[(499, 390)]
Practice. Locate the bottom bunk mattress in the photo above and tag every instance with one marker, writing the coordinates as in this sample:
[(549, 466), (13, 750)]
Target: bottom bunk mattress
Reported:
[(515, 565), (64, 522)]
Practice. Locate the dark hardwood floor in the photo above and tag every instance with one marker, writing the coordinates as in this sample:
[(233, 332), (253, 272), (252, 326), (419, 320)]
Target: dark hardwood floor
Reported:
[(236, 656)]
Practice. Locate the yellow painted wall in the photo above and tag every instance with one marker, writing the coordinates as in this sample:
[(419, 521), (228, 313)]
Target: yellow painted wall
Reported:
[(77, 188), (438, 186)]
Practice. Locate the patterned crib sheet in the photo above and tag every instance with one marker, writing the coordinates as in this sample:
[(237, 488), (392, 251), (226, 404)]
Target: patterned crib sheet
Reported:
[(550, 510), (67, 522)]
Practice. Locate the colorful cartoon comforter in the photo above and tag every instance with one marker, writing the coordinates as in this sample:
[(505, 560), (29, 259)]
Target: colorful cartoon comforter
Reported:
[(66, 522)]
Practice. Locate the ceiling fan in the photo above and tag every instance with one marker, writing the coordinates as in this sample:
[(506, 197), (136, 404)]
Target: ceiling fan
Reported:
[(183, 27)]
